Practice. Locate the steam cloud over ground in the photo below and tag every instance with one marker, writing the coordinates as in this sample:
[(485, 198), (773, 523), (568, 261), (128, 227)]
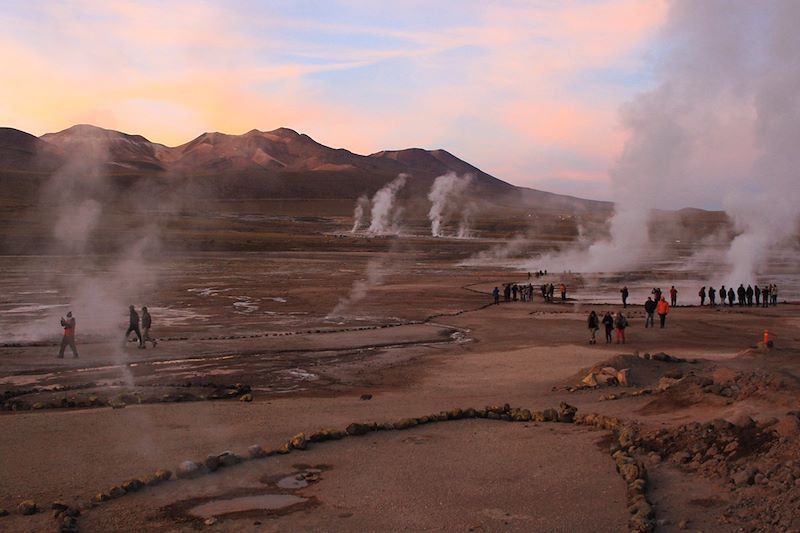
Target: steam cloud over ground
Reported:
[(446, 196), (720, 125)]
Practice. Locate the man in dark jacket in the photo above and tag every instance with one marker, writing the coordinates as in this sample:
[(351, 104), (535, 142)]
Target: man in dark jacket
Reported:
[(147, 322), (731, 297), (712, 296), (741, 292), (702, 295), (624, 292), (133, 326), (649, 309), (608, 322), (757, 294), (749, 294), (723, 294)]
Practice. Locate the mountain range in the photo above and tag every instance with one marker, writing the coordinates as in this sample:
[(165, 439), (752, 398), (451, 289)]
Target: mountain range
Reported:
[(281, 163)]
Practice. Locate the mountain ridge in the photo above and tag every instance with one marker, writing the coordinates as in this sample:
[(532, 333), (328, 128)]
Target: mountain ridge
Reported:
[(279, 163)]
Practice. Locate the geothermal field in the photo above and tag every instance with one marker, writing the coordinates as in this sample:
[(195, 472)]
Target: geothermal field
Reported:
[(364, 381)]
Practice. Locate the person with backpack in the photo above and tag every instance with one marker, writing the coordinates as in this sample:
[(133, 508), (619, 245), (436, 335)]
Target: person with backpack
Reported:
[(620, 322), (649, 309)]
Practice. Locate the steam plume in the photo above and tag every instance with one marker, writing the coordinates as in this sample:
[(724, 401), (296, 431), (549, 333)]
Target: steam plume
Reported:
[(360, 211), (374, 275), (445, 195), (385, 213)]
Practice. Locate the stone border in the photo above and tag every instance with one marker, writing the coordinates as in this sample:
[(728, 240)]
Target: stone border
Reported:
[(626, 433)]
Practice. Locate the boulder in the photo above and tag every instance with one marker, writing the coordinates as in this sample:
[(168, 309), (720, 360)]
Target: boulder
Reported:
[(299, 441), (623, 377), (212, 463), (550, 415), (566, 412), (358, 429), (405, 423), (227, 458), (101, 497), (246, 397), (366, 397), (116, 492), (256, 451), (590, 380), (188, 469), (27, 507), (132, 485), (788, 426)]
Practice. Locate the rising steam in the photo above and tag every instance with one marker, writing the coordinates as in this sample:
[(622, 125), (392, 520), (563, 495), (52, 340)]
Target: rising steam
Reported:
[(385, 215), (446, 197), (374, 275), (720, 125), (360, 212)]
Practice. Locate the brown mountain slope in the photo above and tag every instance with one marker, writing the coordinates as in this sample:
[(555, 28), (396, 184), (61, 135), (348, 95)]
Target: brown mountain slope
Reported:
[(258, 164)]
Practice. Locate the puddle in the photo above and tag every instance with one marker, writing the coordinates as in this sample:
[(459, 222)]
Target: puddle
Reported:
[(264, 502), (276, 299), (302, 374), (297, 481)]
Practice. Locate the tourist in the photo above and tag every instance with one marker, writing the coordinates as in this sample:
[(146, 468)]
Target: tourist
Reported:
[(712, 296), (649, 309), (624, 292), (147, 322), (749, 295), (608, 322), (757, 294), (702, 295), (594, 325), (563, 289), (673, 296), (496, 295), (69, 336), (741, 292), (620, 322), (133, 326), (765, 295), (662, 308), (723, 293), (773, 293), (731, 297)]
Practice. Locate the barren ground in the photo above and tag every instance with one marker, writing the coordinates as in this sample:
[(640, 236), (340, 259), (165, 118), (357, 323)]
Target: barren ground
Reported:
[(421, 341)]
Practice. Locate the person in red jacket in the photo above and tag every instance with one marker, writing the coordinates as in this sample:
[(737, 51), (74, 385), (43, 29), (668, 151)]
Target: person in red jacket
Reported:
[(69, 336), (662, 309)]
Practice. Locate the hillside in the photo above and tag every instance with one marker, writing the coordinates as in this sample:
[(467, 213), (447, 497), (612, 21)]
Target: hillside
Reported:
[(258, 164)]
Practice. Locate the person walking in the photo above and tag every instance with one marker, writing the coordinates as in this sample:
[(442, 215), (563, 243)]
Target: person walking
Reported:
[(608, 323), (625, 293), (133, 326), (702, 295), (147, 322), (69, 336), (649, 309), (496, 295), (620, 322), (712, 296), (662, 308), (594, 325)]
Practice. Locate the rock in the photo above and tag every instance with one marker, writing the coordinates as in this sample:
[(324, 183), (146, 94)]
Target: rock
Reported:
[(132, 485), (664, 383), (627, 435), (299, 441), (405, 423), (101, 497), (566, 412), (550, 415), (212, 463), (366, 397), (116, 492), (455, 414), (255, 451), (744, 477), (246, 397), (469, 412), (767, 423), (162, 474), (210, 521), (3, 512), (623, 377), (285, 448), (683, 524), (227, 458), (743, 421), (590, 380), (629, 472), (27, 507), (788, 427), (360, 429), (59, 505), (188, 469)]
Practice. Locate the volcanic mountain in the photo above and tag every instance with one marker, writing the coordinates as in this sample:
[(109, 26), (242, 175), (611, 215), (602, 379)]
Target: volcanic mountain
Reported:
[(258, 164)]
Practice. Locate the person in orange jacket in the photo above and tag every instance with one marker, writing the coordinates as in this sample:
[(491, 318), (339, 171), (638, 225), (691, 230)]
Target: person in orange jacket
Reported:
[(662, 309)]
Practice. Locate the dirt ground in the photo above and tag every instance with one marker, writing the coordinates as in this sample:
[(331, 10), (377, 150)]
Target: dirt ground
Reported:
[(423, 340)]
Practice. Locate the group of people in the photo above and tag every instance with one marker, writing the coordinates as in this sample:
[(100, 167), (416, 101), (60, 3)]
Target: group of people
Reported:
[(763, 296), (142, 334), (656, 295), (618, 322), (513, 292)]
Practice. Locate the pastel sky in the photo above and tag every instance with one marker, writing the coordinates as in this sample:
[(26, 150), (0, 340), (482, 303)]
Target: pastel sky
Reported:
[(528, 91)]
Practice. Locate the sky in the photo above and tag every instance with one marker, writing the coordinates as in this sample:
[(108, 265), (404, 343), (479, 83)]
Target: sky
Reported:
[(528, 91)]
